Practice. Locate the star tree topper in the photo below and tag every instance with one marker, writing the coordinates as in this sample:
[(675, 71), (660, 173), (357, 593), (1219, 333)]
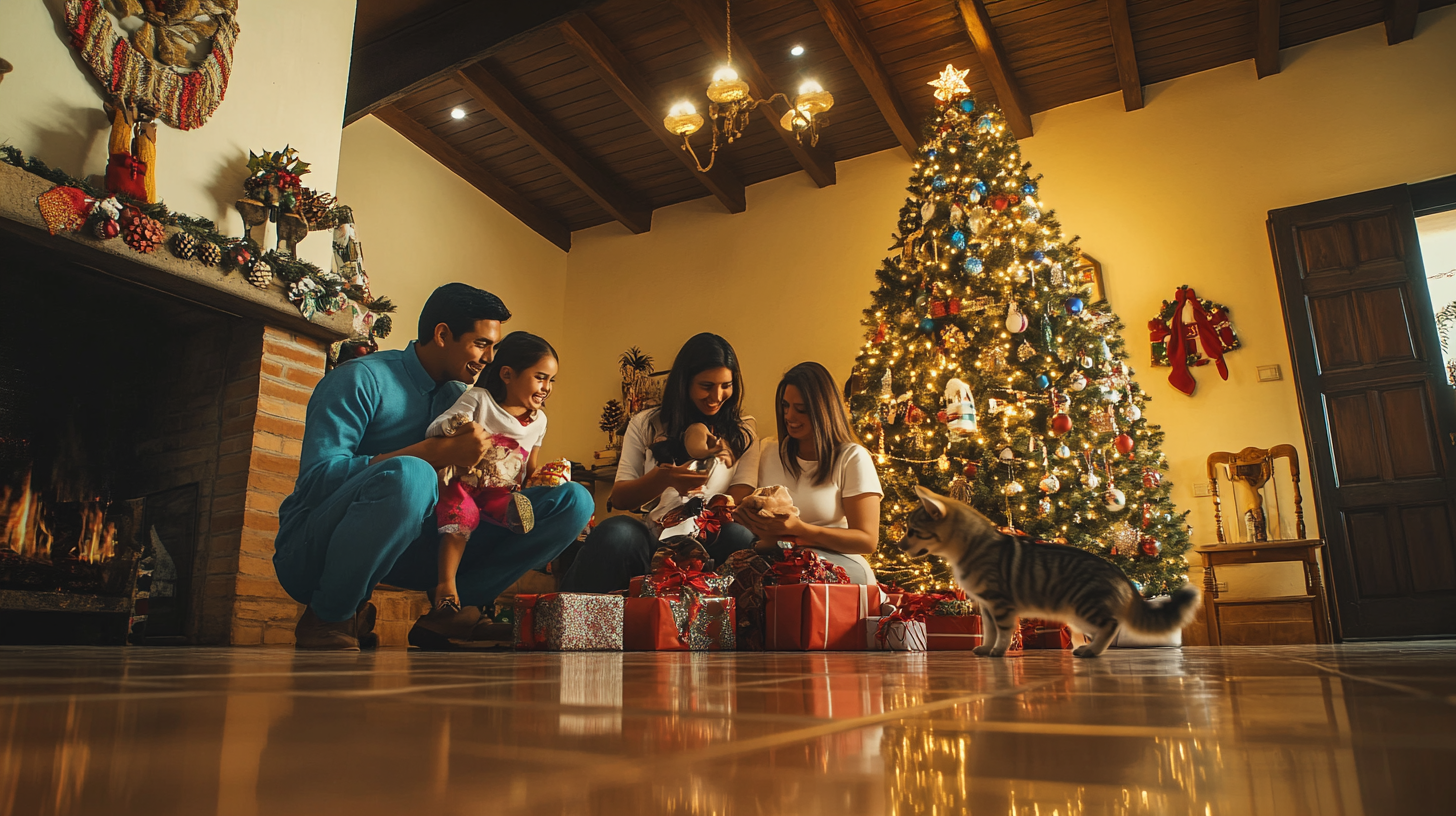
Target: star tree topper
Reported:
[(951, 84)]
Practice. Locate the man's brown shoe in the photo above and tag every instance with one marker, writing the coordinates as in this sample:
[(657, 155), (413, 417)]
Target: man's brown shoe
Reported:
[(364, 626), (317, 634), (446, 622)]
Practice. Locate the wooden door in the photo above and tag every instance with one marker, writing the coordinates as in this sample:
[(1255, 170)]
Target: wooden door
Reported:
[(1378, 412)]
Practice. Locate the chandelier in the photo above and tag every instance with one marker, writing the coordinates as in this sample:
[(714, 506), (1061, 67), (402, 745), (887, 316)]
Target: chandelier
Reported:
[(730, 103)]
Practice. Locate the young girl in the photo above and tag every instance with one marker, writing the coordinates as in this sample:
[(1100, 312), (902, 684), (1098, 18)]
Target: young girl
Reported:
[(507, 403)]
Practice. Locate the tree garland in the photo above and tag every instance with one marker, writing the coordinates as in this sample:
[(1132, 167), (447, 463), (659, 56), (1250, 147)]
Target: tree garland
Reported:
[(310, 288), (183, 100)]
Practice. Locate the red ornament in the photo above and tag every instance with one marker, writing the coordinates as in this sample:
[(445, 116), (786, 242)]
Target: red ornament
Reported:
[(240, 257), (1124, 444), (1151, 479), (107, 229), (941, 417), (880, 333), (999, 203), (1061, 423), (913, 414), (971, 468), (1150, 546)]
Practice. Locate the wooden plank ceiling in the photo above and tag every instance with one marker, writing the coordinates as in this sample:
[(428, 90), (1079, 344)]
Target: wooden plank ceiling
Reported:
[(562, 120)]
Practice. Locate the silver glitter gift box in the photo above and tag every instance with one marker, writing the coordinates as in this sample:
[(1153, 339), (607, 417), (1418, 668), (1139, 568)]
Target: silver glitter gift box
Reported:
[(569, 622)]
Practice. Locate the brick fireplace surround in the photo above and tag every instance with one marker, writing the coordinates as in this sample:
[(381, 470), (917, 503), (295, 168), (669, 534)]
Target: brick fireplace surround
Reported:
[(233, 425)]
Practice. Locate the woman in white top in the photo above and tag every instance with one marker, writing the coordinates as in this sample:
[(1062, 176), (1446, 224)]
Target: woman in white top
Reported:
[(705, 386), (831, 477)]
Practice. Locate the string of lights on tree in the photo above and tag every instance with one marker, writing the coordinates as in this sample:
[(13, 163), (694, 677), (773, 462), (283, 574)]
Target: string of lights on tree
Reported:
[(987, 374)]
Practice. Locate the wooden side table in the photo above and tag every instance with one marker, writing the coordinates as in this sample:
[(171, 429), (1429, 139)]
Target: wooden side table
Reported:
[(1265, 621)]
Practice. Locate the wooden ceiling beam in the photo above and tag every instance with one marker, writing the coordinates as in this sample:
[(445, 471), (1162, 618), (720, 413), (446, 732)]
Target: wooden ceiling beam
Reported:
[(478, 177), (708, 22), (849, 32), (419, 53), (1400, 21), (499, 102), (1266, 39), (998, 69), (1125, 54), (592, 45)]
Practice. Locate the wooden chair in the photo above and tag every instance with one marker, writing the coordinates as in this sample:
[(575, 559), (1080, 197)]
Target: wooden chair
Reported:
[(1268, 620)]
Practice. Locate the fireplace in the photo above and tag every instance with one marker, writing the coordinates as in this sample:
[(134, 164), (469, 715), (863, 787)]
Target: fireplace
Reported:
[(151, 417)]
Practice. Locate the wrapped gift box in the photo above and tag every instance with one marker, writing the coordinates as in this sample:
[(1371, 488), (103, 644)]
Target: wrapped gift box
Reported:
[(688, 623), (946, 633), (814, 617), (1041, 634), (884, 634), (569, 622)]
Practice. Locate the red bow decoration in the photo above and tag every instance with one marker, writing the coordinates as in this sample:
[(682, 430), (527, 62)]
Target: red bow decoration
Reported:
[(802, 566), (1180, 344), (669, 579)]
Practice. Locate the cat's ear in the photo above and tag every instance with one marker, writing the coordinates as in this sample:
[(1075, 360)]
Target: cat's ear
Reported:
[(931, 502)]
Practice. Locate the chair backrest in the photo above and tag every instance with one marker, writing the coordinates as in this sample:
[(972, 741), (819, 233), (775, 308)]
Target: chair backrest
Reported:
[(1253, 468)]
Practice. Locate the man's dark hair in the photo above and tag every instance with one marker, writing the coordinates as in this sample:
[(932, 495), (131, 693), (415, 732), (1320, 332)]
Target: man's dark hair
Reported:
[(459, 306)]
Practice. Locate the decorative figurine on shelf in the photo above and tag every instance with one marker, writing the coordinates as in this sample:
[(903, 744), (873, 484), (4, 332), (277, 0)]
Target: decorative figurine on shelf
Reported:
[(275, 197)]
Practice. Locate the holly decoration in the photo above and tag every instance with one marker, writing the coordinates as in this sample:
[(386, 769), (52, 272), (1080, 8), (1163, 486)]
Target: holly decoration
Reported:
[(240, 257)]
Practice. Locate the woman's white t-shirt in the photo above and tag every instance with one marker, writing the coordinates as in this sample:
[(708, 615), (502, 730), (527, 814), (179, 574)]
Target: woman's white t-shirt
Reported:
[(637, 460), (823, 505)]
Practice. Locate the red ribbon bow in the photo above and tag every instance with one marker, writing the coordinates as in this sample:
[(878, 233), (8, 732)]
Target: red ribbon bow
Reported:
[(670, 579)]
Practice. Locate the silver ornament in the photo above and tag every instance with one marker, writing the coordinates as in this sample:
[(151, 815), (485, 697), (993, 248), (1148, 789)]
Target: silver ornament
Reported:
[(1114, 499)]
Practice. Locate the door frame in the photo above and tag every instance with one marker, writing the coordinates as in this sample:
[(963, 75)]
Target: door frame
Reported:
[(1423, 198)]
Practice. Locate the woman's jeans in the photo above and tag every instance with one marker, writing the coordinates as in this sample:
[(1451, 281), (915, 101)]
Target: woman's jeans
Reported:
[(621, 548)]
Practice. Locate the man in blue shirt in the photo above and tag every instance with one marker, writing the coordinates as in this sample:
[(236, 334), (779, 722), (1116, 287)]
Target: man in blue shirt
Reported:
[(362, 509)]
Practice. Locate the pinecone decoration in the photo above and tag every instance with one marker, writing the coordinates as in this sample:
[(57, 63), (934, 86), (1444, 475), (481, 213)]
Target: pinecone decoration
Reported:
[(184, 246), (261, 274), (209, 253), (612, 416), (383, 325), (140, 232)]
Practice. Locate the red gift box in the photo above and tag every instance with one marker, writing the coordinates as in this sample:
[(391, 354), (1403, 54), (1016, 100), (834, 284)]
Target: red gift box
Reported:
[(678, 625), (814, 617), (1041, 634), (945, 633)]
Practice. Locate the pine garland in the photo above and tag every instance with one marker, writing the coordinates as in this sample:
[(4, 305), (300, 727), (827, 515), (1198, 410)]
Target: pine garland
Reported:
[(290, 270)]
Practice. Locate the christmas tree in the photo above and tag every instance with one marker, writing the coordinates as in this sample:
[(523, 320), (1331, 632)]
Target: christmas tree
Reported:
[(988, 375)]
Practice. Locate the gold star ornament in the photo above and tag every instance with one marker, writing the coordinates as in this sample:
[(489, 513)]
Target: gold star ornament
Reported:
[(951, 84)]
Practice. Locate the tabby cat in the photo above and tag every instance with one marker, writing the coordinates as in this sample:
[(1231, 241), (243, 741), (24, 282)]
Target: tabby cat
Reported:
[(1010, 577)]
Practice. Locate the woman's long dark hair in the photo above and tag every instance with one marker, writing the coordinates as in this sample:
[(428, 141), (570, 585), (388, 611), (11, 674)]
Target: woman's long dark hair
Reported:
[(517, 351), (827, 416), (700, 353)]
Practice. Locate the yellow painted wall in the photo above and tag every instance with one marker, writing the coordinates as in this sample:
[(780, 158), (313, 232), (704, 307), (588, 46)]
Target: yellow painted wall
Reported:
[(290, 71), (422, 226)]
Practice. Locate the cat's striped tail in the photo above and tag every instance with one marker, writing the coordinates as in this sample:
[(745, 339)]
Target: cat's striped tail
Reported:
[(1159, 619)]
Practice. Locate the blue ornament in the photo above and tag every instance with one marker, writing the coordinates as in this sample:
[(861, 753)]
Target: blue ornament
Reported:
[(958, 239), (979, 187), (967, 105), (1042, 382), (1074, 305), (932, 153), (1028, 189), (1138, 586), (938, 183), (985, 123), (927, 325), (1038, 256), (974, 266)]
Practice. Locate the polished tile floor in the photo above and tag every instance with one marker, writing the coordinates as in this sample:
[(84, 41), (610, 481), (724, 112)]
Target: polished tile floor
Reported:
[(1358, 729)]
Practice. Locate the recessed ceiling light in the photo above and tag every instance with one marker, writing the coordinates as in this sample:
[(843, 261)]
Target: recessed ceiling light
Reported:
[(457, 113), (797, 50)]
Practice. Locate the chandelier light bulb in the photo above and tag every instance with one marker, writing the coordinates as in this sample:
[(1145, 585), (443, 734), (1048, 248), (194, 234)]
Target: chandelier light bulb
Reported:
[(725, 74), (683, 108), (810, 86), (457, 113)]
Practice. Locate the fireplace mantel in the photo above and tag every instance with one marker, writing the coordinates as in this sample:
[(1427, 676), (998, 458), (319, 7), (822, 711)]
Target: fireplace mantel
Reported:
[(230, 293)]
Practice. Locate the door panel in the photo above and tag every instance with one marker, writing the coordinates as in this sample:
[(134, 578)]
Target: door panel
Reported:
[(1378, 413)]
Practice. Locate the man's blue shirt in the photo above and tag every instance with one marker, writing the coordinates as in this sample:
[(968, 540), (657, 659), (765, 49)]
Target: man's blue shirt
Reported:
[(376, 404)]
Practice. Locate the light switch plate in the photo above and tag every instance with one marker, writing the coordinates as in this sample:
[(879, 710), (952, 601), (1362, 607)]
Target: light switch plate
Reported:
[(1201, 489), (1270, 373)]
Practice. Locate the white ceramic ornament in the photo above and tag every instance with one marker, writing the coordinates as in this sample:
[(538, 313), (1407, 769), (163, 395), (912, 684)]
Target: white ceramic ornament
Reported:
[(973, 196), (1111, 395), (960, 408), (1016, 322), (1050, 483), (1131, 412), (1091, 480), (1084, 361), (927, 212), (1078, 382), (1006, 454), (1064, 452), (976, 220), (1114, 499), (957, 214), (1012, 489)]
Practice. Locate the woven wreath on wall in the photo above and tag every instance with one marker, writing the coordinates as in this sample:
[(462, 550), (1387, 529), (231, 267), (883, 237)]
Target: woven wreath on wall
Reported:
[(176, 63)]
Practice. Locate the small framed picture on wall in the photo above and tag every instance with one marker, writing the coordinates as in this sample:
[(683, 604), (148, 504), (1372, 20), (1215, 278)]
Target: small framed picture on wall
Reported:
[(1088, 272)]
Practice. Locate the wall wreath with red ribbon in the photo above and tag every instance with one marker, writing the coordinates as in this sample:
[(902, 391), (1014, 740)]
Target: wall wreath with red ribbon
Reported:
[(1189, 332)]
